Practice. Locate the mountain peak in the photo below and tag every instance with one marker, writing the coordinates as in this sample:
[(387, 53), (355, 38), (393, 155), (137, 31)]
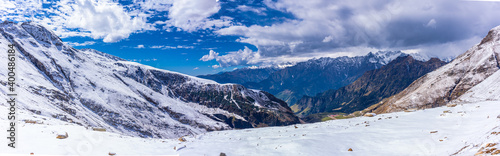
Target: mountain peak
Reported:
[(493, 35), (42, 35), (384, 57)]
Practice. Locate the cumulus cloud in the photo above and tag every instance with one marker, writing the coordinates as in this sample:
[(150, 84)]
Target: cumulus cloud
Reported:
[(322, 27), (245, 56), (211, 55), (192, 15), (98, 19), (103, 19), (240, 57)]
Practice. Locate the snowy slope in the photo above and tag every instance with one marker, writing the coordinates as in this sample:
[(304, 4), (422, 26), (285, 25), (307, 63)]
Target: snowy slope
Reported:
[(465, 131), (488, 90), (95, 89), (452, 80)]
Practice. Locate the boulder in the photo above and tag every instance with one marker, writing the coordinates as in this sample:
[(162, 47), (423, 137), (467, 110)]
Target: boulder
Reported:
[(30, 121), (62, 136), (370, 114), (182, 139), (410, 110), (451, 105), (99, 129)]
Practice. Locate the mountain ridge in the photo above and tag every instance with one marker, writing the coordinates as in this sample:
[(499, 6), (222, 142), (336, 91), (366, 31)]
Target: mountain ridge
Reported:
[(450, 82), (241, 76), (370, 88), (310, 77), (95, 89)]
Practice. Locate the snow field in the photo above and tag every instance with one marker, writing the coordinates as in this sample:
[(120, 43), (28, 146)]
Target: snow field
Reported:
[(425, 132)]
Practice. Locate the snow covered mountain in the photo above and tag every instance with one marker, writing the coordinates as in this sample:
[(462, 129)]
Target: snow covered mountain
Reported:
[(94, 89), (367, 90), (472, 76), (318, 75)]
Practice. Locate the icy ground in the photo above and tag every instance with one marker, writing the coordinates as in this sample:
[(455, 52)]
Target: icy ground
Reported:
[(464, 131)]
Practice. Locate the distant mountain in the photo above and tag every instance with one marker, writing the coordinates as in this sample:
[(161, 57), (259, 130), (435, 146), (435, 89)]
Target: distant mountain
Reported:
[(95, 89), (472, 75), (318, 75), (369, 89), (241, 76)]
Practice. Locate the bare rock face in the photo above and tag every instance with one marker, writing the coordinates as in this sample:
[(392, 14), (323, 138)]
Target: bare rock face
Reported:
[(94, 89), (450, 81)]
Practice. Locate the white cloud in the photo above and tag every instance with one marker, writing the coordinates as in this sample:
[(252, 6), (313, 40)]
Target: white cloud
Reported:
[(161, 47), (192, 15), (20, 10), (184, 47), (216, 66), (104, 19), (171, 47), (245, 56), (245, 8), (154, 5), (99, 19), (143, 60), (80, 44), (140, 46), (328, 39), (210, 56), (196, 68), (431, 23)]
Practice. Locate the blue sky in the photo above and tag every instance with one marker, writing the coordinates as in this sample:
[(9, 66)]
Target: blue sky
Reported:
[(208, 36)]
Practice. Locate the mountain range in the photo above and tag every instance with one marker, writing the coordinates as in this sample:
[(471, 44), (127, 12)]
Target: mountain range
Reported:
[(311, 77), (367, 90), (242, 76), (95, 89)]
